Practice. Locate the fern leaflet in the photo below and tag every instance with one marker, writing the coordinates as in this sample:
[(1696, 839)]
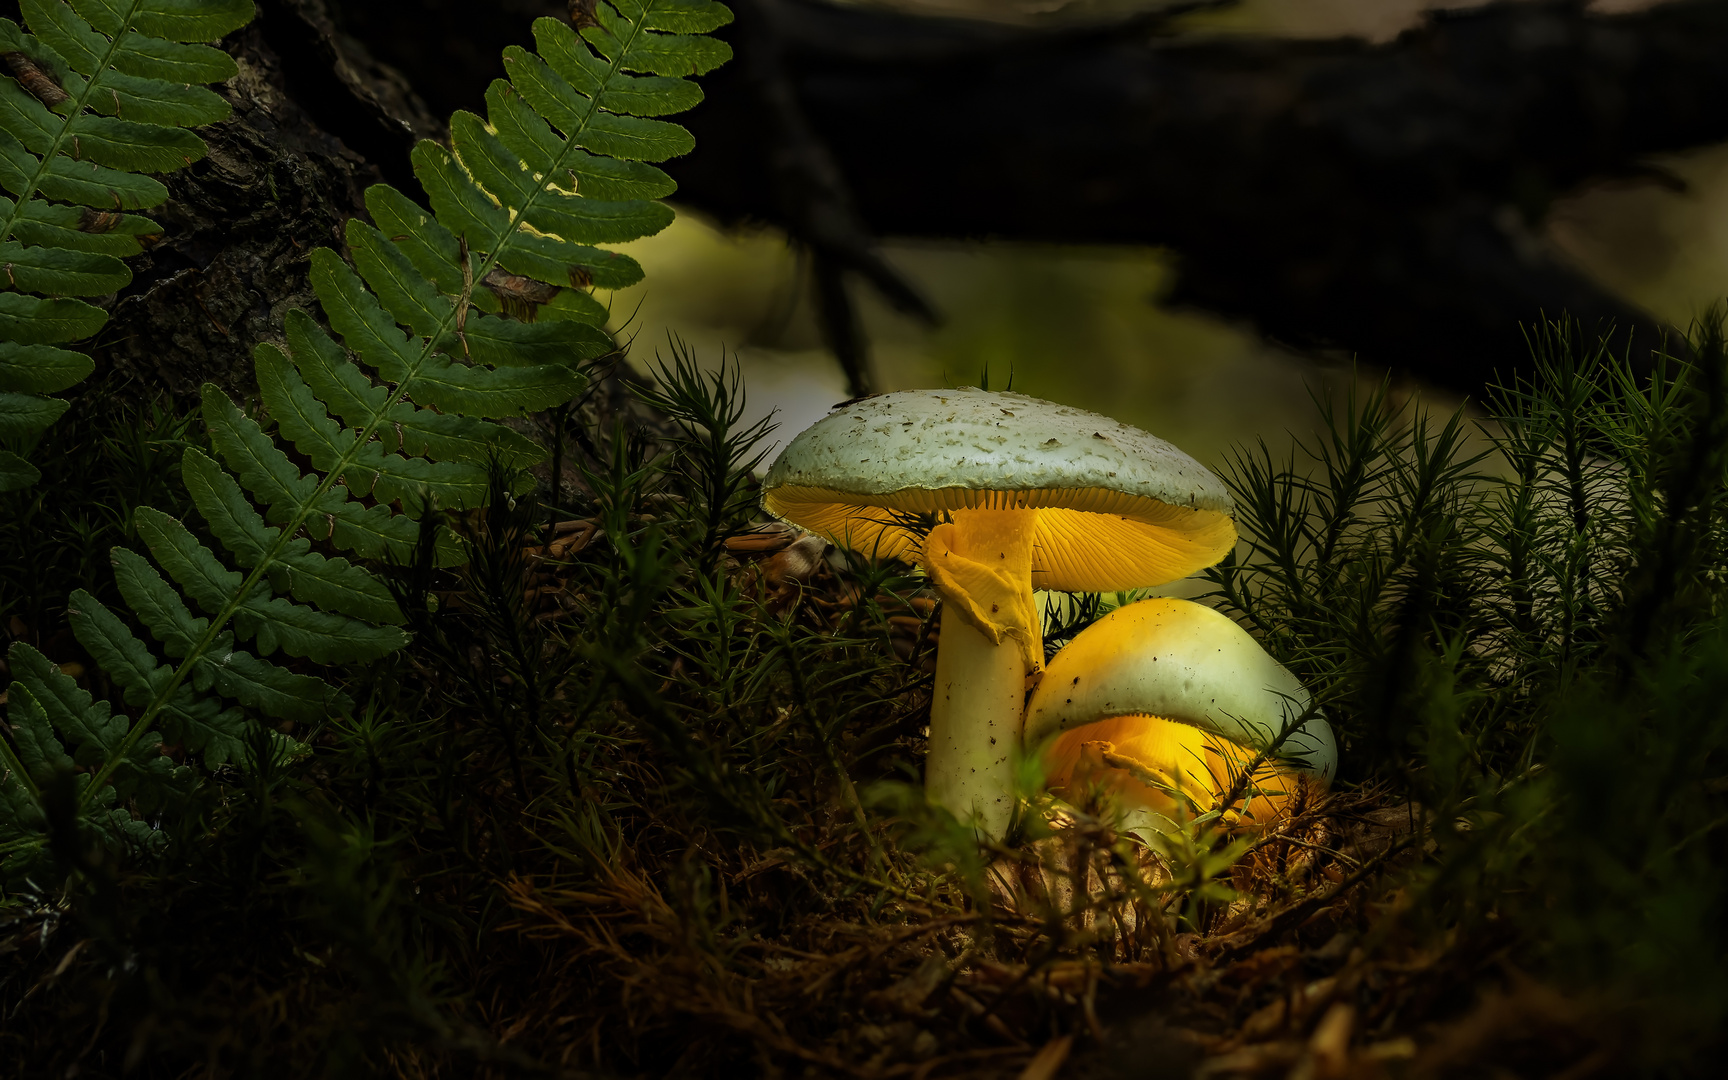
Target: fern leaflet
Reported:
[(448, 321), (100, 95)]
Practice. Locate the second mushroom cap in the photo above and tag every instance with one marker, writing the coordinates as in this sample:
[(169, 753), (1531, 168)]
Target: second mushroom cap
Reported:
[(1179, 691)]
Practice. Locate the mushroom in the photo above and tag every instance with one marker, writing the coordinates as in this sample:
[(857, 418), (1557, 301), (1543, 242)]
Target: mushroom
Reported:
[(1166, 702), (995, 495)]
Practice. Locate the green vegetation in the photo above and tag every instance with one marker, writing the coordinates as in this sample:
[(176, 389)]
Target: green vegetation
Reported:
[(510, 233), (100, 98), (515, 781), (623, 799), (1529, 642)]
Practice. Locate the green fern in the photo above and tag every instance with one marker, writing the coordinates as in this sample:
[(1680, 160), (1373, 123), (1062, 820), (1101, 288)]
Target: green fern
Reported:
[(101, 93), (493, 289)]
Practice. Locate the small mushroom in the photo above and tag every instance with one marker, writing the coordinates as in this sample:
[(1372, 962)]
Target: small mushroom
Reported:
[(1166, 702), (995, 495)]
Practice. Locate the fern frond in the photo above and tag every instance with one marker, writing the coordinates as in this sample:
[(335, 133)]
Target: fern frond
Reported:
[(45, 708), (100, 94), (444, 323), (519, 201)]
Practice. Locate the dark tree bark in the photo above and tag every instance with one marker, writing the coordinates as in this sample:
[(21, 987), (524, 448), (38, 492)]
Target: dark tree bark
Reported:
[(1384, 200), (238, 230)]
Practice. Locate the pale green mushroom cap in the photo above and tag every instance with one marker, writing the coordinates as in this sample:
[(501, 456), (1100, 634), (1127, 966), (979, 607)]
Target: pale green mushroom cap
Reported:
[(1187, 663), (1118, 508)]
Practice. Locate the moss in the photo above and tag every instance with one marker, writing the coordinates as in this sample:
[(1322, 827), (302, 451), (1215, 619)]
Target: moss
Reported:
[(640, 798)]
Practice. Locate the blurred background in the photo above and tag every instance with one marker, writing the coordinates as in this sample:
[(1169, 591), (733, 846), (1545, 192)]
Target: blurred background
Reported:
[(1503, 162), (1091, 325), (1082, 326)]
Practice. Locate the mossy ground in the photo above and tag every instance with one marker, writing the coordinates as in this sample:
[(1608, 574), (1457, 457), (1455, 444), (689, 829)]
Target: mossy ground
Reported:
[(640, 799)]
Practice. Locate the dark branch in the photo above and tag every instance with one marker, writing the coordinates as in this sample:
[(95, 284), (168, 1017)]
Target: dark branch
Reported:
[(1385, 201)]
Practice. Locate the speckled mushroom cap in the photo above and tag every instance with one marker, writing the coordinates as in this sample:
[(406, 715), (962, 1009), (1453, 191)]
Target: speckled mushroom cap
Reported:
[(1185, 662), (1121, 509)]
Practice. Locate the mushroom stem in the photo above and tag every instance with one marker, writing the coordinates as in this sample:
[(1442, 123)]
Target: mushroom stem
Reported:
[(975, 725), (981, 562)]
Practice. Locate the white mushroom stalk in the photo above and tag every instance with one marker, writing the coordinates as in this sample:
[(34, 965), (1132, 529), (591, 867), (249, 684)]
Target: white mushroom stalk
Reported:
[(991, 642), (1023, 494), (1167, 703)]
